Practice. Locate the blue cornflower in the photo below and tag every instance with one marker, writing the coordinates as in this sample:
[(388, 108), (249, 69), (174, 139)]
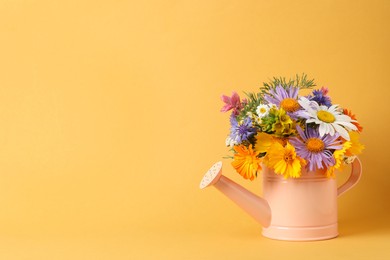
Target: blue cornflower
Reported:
[(241, 132), (320, 96)]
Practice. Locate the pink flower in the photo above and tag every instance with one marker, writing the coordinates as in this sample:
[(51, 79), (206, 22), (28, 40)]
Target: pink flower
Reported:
[(232, 102), (324, 91)]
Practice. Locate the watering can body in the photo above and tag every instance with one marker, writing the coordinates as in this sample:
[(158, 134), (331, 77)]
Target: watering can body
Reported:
[(294, 209)]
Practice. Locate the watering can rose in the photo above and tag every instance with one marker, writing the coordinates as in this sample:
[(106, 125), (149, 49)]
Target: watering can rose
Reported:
[(287, 132)]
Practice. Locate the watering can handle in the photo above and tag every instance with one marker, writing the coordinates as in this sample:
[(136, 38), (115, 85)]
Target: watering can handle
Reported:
[(353, 178)]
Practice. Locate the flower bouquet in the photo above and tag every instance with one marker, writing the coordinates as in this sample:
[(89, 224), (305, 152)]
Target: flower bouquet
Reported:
[(286, 132)]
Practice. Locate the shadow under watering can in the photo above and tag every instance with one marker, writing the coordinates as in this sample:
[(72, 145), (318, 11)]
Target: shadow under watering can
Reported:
[(294, 209)]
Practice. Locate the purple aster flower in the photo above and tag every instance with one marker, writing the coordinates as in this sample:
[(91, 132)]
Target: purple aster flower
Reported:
[(286, 99), (241, 132), (316, 149), (320, 96)]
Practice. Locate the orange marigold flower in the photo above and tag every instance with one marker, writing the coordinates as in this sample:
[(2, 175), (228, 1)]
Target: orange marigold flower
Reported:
[(246, 161), (349, 113)]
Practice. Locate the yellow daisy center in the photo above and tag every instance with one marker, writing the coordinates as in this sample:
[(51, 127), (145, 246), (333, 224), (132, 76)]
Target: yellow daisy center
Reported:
[(288, 158), (263, 110), (325, 116), (289, 104), (315, 145)]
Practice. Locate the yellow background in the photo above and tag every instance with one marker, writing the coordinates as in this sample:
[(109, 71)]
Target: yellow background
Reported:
[(109, 117)]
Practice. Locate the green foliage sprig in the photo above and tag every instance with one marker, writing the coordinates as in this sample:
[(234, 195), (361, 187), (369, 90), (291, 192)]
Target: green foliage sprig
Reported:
[(253, 101), (300, 81)]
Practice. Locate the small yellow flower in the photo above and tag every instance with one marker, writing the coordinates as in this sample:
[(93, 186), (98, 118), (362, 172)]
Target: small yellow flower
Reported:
[(246, 161), (283, 124), (338, 157), (284, 160), (356, 147)]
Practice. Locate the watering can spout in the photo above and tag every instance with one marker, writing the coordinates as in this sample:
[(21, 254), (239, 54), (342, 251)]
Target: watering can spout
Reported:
[(254, 205)]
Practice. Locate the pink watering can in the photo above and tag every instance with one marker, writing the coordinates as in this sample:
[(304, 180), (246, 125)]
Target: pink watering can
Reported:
[(295, 209)]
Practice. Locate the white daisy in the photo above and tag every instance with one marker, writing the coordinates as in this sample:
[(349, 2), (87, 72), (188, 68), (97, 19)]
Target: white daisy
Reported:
[(251, 115), (230, 142), (254, 117), (330, 119), (262, 110)]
